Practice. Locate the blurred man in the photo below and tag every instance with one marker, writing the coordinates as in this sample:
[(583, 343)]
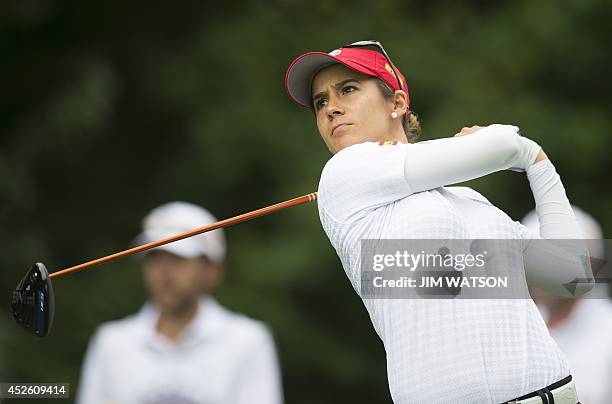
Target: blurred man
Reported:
[(582, 327), (182, 347)]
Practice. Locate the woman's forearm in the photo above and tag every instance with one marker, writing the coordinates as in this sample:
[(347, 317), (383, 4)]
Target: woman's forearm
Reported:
[(447, 161), (554, 264), (554, 211)]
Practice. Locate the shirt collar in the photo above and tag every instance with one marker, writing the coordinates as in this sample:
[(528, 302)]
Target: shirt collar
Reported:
[(207, 323)]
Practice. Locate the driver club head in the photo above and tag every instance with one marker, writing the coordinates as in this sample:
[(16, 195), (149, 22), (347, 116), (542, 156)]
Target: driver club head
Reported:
[(33, 303)]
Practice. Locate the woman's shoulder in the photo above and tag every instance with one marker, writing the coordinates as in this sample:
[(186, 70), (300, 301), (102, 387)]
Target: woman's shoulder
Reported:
[(361, 155), (351, 151)]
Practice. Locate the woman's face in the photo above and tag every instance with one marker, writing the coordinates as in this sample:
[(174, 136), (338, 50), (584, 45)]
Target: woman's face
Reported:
[(350, 108)]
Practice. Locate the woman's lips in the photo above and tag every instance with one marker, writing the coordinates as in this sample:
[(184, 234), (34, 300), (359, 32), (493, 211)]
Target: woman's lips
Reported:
[(339, 126)]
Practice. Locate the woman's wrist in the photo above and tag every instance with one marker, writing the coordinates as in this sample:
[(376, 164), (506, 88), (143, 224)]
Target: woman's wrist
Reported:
[(527, 153)]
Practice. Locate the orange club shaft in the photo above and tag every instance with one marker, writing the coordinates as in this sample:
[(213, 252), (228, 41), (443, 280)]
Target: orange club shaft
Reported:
[(223, 223)]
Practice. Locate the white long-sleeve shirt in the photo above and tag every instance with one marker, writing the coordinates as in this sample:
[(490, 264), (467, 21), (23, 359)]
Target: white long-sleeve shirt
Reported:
[(442, 351), (221, 358)]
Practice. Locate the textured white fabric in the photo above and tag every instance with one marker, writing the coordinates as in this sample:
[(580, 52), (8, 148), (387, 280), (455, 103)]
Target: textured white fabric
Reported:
[(551, 265), (555, 213), (456, 159), (591, 230), (221, 357), (528, 154), (438, 351), (492, 148)]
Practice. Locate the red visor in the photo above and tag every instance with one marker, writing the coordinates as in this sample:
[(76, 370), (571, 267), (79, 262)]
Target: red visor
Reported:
[(298, 80)]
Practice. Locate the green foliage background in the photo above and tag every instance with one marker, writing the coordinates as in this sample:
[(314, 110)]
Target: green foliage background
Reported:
[(110, 108)]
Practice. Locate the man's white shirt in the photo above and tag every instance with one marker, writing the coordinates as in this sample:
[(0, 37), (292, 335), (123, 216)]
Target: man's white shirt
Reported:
[(438, 351), (585, 338), (221, 357)]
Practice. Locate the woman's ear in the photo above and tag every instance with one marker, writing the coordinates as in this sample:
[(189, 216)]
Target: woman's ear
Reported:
[(400, 104)]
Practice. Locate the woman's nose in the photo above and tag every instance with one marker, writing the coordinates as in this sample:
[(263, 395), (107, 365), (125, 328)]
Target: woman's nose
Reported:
[(334, 109)]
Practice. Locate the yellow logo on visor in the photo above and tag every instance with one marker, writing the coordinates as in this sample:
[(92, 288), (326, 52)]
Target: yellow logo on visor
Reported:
[(390, 70)]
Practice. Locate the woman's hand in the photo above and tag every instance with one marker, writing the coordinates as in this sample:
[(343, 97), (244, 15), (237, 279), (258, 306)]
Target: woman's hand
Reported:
[(541, 156), (468, 131)]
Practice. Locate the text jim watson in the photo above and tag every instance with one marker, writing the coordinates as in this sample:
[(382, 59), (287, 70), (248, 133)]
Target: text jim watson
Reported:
[(443, 281)]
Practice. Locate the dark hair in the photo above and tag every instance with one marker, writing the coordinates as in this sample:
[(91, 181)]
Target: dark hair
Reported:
[(410, 121)]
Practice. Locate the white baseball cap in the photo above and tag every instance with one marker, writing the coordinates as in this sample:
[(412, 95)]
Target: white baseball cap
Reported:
[(174, 218)]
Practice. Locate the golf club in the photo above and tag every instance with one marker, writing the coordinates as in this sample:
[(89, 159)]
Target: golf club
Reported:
[(33, 302)]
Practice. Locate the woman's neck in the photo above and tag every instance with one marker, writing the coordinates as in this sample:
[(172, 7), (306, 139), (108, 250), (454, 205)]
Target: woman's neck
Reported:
[(397, 135)]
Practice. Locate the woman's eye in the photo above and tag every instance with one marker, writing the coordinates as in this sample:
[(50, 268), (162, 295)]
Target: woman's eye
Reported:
[(320, 103), (348, 89)]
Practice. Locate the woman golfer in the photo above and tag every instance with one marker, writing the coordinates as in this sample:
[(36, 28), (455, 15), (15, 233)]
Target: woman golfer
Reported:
[(382, 184)]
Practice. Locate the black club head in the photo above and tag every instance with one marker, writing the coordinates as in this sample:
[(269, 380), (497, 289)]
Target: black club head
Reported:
[(33, 303)]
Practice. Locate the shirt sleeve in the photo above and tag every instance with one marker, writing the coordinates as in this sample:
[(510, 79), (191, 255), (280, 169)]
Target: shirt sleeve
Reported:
[(259, 381), (558, 262), (369, 175)]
